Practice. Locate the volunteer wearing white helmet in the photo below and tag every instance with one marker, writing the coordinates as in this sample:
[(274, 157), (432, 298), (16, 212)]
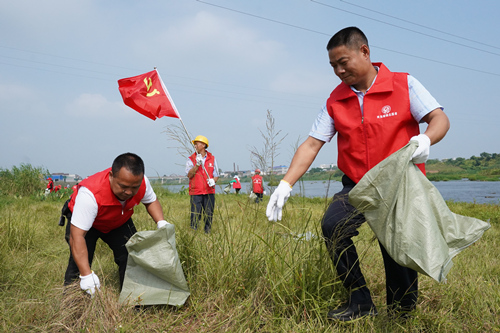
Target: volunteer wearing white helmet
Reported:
[(203, 173), (236, 184)]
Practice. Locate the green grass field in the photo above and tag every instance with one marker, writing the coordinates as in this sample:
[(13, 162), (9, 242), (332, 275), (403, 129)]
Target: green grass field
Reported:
[(248, 275)]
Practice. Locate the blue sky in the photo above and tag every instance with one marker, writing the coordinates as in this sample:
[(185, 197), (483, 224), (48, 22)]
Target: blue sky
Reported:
[(225, 67)]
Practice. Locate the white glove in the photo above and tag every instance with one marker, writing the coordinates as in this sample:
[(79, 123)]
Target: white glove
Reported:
[(161, 224), (211, 182), (199, 159), (422, 153), (90, 283), (277, 201)]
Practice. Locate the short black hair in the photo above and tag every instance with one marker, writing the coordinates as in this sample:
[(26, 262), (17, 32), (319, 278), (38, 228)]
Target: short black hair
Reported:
[(131, 162), (351, 37)]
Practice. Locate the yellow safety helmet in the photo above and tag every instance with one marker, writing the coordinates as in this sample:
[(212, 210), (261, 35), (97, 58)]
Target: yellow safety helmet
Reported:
[(201, 138)]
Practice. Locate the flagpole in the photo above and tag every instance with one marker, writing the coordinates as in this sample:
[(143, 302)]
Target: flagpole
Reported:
[(175, 108), (179, 116)]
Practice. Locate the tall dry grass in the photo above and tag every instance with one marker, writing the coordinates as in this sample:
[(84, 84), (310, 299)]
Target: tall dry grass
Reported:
[(248, 275), (22, 180)]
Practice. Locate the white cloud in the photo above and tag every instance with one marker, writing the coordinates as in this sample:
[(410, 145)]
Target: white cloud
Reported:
[(303, 82), (96, 106), (207, 38), (57, 17), (10, 92)]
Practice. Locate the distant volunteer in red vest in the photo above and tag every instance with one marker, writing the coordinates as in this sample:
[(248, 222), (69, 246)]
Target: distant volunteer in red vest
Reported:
[(236, 184), (374, 112), (101, 208), (257, 186), (202, 171), (50, 184)]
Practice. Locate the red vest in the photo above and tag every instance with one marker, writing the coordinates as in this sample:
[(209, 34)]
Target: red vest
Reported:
[(236, 183), (387, 124), (198, 184), (257, 184), (110, 212)]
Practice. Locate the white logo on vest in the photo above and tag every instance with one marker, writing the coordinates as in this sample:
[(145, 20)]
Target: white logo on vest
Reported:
[(386, 112)]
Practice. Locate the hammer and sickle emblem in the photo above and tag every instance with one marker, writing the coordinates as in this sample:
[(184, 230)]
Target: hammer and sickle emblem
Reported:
[(148, 86)]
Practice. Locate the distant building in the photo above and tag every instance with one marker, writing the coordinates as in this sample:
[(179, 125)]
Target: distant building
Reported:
[(65, 177), (165, 178), (280, 170), (327, 166), (236, 173), (246, 173)]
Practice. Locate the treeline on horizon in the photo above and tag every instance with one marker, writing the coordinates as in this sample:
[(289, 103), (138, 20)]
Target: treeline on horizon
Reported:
[(26, 179), (485, 167)]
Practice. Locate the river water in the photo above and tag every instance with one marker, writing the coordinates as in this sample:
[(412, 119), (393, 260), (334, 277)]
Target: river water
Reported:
[(456, 190)]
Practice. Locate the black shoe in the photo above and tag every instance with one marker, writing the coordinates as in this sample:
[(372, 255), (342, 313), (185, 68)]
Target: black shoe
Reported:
[(353, 312), (341, 309)]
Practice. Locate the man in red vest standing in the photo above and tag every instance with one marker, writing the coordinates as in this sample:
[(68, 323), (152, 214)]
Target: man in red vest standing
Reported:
[(375, 112), (257, 186), (203, 173), (101, 207)]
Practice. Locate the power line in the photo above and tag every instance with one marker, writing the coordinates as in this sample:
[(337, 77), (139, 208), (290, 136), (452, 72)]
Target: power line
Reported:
[(328, 34), (60, 57), (56, 65), (114, 66), (403, 28), (437, 61), (263, 18), (421, 25), (57, 72), (298, 98), (115, 74)]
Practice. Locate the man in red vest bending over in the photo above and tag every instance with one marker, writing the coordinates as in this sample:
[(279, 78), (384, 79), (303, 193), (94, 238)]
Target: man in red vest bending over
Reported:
[(236, 184), (203, 173), (102, 207), (374, 113)]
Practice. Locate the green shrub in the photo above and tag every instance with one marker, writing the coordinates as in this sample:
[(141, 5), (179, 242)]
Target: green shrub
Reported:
[(24, 180)]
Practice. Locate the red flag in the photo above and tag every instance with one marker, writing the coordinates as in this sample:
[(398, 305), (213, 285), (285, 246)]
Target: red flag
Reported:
[(147, 95)]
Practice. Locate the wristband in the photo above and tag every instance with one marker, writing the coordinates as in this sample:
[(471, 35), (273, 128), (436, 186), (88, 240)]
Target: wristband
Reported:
[(91, 272)]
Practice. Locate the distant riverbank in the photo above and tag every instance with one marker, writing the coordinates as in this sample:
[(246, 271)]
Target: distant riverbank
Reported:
[(456, 190)]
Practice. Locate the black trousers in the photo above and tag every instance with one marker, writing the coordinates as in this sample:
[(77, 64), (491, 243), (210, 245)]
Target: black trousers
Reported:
[(259, 197), (339, 225), (116, 240), (202, 205)]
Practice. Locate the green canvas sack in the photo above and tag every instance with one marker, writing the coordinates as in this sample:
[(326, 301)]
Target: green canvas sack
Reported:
[(410, 217), (154, 273)]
